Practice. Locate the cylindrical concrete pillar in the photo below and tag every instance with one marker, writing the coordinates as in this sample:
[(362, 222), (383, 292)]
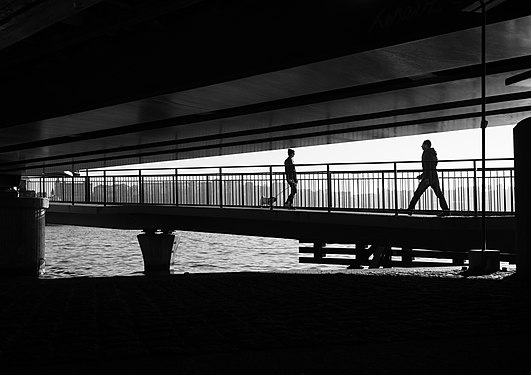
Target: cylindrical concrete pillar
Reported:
[(522, 184), (157, 251), (22, 226)]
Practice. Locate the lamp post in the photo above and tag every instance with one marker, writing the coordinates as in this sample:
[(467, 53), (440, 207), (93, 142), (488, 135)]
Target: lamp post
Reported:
[(483, 123), (482, 6), (480, 262)]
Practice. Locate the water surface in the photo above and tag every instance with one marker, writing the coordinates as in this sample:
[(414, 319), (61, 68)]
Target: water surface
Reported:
[(73, 251)]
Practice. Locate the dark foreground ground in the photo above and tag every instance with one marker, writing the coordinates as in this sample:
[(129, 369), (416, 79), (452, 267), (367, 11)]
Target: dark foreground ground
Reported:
[(373, 322)]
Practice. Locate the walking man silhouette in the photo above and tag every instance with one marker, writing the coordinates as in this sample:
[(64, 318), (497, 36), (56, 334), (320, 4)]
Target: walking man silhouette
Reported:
[(428, 178), (291, 177)]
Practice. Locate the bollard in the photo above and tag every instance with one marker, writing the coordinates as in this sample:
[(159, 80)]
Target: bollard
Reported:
[(483, 262)]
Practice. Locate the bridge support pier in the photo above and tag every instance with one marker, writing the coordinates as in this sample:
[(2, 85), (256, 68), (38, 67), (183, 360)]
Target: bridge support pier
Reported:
[(522, 183), (157, 250), (22, 226)]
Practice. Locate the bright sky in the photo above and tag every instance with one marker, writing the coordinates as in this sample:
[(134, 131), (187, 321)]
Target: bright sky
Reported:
[(462, 144)]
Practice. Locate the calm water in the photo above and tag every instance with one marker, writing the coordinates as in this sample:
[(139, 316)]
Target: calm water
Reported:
[(73, 251)]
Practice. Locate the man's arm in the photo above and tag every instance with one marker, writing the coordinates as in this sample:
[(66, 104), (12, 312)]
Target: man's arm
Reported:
[(425, 166)]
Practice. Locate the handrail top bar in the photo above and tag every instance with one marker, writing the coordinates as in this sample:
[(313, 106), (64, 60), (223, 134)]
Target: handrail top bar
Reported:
[(390, 170), (282, 165)]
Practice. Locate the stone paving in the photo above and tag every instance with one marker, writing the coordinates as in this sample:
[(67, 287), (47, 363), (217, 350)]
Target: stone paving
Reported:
[(383, 321)]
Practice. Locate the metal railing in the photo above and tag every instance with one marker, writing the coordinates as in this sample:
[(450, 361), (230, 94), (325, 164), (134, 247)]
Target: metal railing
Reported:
[(378, 186)]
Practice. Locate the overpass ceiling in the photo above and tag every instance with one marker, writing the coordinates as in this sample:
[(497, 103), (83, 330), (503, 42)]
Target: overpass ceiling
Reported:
[(102, 83)]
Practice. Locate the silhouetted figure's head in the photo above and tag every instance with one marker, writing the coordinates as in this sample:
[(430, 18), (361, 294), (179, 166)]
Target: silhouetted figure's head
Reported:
[(291, 152), (426, 144)]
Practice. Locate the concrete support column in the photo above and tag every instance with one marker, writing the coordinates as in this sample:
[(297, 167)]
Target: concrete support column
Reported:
[(22, 227), (157, 250), (522, 179)]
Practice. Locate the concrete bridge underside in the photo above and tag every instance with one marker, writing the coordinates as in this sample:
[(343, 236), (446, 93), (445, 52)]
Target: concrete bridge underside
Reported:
[(454, 233), (103, 83)]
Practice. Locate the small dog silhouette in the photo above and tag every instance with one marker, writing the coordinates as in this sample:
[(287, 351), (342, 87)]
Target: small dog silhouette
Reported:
[(265, 201)]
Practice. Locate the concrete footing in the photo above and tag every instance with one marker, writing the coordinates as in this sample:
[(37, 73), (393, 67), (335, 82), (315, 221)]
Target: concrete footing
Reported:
[(22, 227), (483, 262), (157, 251)]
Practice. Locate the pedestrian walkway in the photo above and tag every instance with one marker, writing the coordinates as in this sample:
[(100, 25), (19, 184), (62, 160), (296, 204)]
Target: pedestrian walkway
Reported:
[(382, 321)]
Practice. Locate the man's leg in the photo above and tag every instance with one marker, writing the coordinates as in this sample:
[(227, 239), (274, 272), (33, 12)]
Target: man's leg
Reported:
[(293, 191), (292, 194), (288, 200), (439, 194), (423, 185)]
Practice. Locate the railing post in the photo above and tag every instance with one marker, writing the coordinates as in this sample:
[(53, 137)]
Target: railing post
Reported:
[(87, 188), (72, 188), (512, 191), (42, 186), (475, 187), (396, 187), (105, 188), (113, 189), (140, 187), (220, 187), (329, 187), (176, 187), (271, 185), (63, 188), (242, 190), (383, 190), (207, 183)]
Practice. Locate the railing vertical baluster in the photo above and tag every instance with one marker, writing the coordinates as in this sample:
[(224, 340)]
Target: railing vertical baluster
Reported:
[(232, 190), (491, 193), (197, 189), (193, 193), (358, 191), (383, 190), (475, 187), (361, 191), (442, 184), (335, 188), (140, 188), (271, 185), (242, 190), (283, 190), (113, 189), (176, 186), (42, 186), (374, 193), (512, 191), (396, 187), (105, 188), (207, 190), (87, 188), (220, 188), (186, 191), (329, 187), (72, 187), (504, 190), (467, 192)]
